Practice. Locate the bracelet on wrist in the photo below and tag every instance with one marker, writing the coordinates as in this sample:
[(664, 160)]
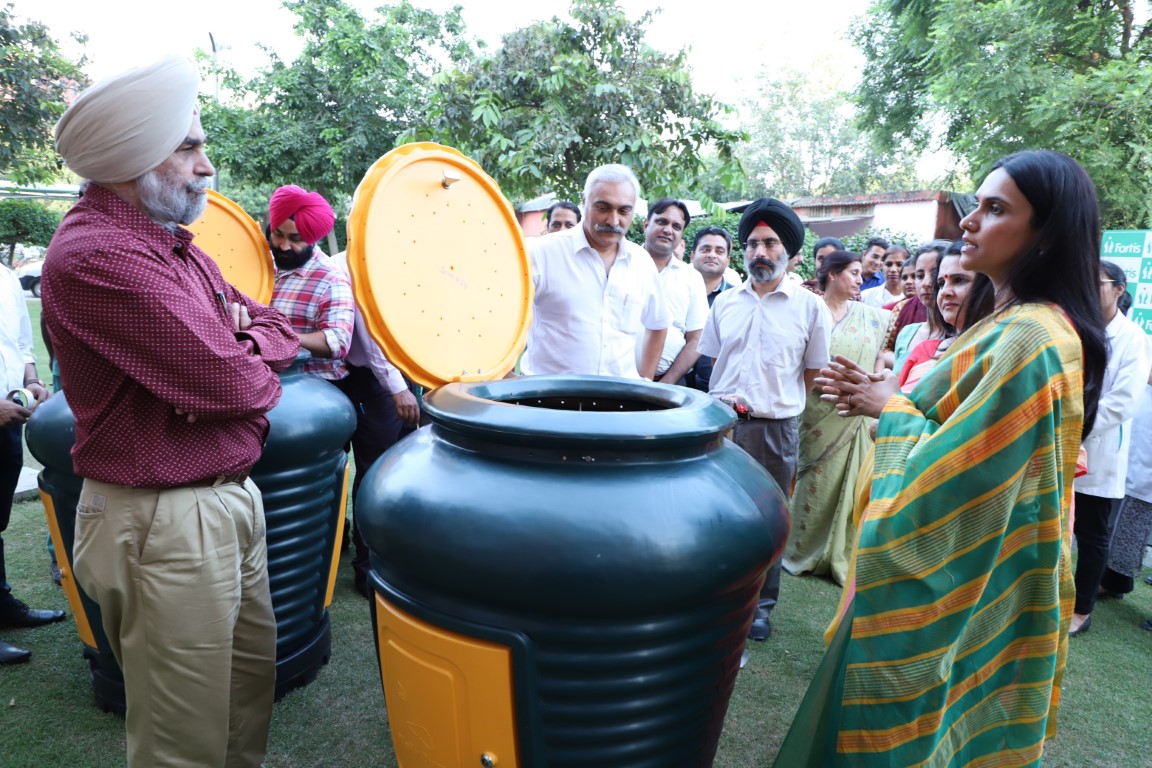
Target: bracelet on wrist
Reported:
[(34, 381)]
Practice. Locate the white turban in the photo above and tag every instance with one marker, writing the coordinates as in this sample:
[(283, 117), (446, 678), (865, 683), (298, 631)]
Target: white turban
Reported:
[(123, 127)]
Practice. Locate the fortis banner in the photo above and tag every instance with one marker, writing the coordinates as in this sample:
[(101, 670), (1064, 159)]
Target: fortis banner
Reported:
[(1131, 250)]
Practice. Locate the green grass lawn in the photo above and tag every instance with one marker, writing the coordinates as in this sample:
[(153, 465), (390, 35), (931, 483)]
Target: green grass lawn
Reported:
[(48, 717), (38, 341)]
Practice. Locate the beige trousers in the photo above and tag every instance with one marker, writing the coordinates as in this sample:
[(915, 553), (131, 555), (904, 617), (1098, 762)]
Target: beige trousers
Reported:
[(181, 577)]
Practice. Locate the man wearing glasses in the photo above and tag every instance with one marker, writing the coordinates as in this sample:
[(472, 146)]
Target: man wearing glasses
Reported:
[(769, 339)]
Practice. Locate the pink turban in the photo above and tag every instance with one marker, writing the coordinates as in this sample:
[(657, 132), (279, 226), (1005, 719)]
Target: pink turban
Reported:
[(308, 210)]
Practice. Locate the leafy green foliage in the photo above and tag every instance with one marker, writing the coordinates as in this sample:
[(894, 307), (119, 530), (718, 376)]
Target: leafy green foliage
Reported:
[(557, 100), (803, 140), (34, 77), (994, 77), (323, 119), (26, 223)]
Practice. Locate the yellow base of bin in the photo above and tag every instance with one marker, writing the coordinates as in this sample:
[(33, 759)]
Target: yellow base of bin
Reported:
[(449, 696)]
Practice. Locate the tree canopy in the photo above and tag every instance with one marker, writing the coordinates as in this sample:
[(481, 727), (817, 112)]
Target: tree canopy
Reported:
[(989, 78), (26, 223), (34, 77), (321, 120), (558, 99), (803, 140)]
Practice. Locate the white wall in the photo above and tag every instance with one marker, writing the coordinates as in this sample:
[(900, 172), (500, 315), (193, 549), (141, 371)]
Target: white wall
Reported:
[(917, 219)]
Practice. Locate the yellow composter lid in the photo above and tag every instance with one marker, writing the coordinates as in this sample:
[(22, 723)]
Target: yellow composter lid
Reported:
[(439, 268), (237, 245)]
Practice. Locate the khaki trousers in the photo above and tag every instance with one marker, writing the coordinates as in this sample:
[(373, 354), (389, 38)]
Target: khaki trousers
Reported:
[(181, 577)]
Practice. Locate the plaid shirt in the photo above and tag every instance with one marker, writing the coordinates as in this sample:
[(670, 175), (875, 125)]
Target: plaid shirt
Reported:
[(318, 297)]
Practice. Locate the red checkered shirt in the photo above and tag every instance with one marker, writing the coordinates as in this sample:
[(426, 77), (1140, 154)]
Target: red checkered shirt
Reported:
[(140, 322), (318, 297)]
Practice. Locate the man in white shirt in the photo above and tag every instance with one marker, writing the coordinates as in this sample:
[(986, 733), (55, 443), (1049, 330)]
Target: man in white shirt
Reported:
[(683, 287), (598, 296), (18, 371), (769, 339)]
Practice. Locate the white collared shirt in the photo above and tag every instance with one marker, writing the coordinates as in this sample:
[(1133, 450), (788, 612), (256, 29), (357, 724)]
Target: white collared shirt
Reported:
[(15, 331), (878, 296), (586, 320), (687, 300), (1125, 378), (763, 345)]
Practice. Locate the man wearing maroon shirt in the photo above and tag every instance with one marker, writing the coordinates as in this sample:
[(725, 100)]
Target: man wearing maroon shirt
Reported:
[(169, 372)]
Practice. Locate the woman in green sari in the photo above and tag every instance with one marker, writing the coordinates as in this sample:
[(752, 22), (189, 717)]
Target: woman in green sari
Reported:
[(950, 645), (833, 448)]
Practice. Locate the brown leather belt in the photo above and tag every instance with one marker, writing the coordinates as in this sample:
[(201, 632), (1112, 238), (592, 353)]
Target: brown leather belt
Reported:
[(235, 477)]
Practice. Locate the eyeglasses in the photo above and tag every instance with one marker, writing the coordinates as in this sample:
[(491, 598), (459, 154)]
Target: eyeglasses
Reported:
[(770, 244)]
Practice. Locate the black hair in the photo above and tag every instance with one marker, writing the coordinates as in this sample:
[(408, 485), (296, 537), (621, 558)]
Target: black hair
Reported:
[(1115, 273), (1062, 263), (834, 263), (1124, 303), (564, 204), (877, 241), (897, 247), (704, 231), (664, 204), (827, 241), (980, 301), (939, 246)]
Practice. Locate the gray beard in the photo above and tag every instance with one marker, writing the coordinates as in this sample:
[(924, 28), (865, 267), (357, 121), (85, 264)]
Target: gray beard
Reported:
[(766, 270), (170, 204)]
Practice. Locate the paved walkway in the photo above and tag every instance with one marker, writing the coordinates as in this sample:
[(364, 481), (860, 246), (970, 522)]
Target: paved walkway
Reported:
[(26, 489)]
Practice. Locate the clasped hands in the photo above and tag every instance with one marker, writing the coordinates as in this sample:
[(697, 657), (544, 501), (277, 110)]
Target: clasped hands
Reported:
[(854, 391)]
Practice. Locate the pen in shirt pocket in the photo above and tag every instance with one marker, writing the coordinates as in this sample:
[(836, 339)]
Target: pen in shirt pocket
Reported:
[(223, 300)]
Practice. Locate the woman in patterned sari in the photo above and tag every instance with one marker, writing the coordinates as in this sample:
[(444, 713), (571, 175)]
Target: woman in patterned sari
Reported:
[(832, 449), (951, 647)]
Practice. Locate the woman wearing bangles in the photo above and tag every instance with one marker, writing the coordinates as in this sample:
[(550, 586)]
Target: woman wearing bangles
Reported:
[(951, 646)]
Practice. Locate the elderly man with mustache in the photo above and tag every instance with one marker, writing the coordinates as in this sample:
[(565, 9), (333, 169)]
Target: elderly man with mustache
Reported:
[(598, 296), (170, 372), (769, 339)]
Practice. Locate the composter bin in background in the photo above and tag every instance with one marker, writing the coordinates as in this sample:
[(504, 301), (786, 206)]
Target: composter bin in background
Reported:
[(565, 572), (302, 478)]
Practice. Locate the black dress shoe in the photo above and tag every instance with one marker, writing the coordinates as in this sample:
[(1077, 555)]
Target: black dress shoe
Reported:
[(761, 628), (1147, 624), (1148, 579), (1087, 625), (10, 654), (14, 613)]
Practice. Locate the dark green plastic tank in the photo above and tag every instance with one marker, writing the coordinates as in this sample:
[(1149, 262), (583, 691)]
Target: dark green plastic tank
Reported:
[(602, 529), (301, 479)]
